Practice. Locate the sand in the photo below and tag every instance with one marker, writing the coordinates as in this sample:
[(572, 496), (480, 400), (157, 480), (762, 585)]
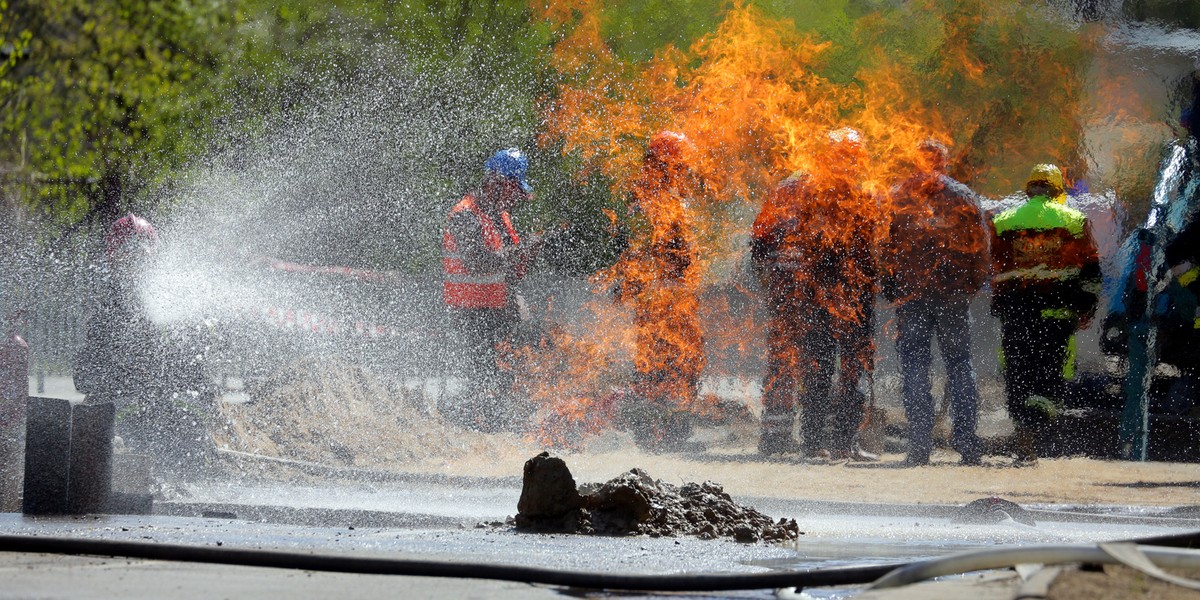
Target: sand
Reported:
[(331, 413)]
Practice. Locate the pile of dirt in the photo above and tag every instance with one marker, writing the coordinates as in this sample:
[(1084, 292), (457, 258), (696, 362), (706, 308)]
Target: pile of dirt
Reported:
[(325, 411), (990, 510), (634, 503)]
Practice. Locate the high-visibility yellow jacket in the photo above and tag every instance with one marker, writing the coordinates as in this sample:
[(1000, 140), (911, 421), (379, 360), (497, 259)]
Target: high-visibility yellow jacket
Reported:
[(1044, 262)]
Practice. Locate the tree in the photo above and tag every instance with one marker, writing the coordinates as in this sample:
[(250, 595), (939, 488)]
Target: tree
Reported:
[(105, 95)]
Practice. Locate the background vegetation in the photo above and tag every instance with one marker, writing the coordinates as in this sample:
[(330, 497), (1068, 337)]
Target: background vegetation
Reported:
[(107, 105)]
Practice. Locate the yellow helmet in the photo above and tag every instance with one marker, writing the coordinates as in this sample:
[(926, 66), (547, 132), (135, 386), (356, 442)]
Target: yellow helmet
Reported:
[(1050, 174)]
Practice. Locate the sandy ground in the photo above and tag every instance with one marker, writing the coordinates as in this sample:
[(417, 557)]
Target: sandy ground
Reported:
[(1067, 481), (1117, 583), (346, 416)]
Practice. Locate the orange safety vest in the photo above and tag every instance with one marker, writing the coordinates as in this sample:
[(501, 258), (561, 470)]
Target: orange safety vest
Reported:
[(461, 289)]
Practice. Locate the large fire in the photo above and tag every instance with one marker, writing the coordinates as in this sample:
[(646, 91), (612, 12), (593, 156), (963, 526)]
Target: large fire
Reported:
[(752, 101)]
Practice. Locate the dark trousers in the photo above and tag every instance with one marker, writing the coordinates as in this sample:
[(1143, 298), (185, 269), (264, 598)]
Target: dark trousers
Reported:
[(918, 321), (804, 347), (1035, 349), (486, 334)]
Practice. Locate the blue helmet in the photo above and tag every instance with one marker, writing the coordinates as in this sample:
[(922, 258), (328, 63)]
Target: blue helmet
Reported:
[(510, 163)]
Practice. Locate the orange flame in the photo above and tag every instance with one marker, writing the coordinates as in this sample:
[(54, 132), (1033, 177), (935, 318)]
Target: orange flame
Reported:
[(751, 98)]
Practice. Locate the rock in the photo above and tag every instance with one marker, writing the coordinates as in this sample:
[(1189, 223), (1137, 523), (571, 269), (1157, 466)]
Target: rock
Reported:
[(622, 504), (547, 489), (993, 510), (745, 534)]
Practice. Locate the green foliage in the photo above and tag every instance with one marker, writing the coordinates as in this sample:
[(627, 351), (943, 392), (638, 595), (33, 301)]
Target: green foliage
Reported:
[(1004, 78), (106, 96), (14, 46), (636, 30), (1176, 13), (104, 89), (832, 20)]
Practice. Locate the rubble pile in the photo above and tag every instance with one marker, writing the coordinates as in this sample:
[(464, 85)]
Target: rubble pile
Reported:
[(325, 411), (635, 503)]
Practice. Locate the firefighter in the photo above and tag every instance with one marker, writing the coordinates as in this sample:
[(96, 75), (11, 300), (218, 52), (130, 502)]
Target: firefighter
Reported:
[(934, 261), (483, 257), (811, 247), (1045, 281), (658, 277), (114, 362), (163, 398)]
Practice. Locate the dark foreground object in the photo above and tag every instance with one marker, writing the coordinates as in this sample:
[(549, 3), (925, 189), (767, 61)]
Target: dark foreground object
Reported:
[(69, 461), (341, 563), (1091, 421), (634, 503), (68, 457)]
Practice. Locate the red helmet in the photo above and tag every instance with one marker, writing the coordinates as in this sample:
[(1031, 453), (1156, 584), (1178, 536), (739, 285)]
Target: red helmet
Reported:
[(671, 147), (129, 228)]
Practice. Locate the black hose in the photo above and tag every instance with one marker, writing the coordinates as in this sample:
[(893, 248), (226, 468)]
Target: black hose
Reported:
[(334, 563), (1190, 539)]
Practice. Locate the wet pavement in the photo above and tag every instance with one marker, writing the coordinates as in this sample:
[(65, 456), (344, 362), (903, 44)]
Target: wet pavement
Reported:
[(463, 521)]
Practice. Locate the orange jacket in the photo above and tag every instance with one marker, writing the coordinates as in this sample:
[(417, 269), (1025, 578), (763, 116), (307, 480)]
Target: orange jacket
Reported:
[(466, 285), (812, 246), (937, 246)]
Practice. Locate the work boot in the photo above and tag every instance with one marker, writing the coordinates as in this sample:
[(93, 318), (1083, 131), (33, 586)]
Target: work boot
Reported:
[(671, 434), (918, 452), (854, 454), (819, 456), (774, 442), (916, 458), (970, 452), (1026, 448), (776, 436)]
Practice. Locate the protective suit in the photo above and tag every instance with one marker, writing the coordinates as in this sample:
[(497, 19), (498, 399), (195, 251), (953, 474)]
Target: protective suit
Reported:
[(811, 247), (657, 277), (155, 379), (1045, 283)]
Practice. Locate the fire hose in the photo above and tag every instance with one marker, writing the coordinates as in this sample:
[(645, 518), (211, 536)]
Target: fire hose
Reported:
[(1116, 553), (888, 575), (361, 565)]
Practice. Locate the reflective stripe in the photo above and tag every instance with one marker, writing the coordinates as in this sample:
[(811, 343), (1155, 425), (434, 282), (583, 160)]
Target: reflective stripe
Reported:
[(462, 289), (1071, 358), (1040, 272), (1187, 278), (778, 419), (1058, 313), (454, 271), (474, 279)]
